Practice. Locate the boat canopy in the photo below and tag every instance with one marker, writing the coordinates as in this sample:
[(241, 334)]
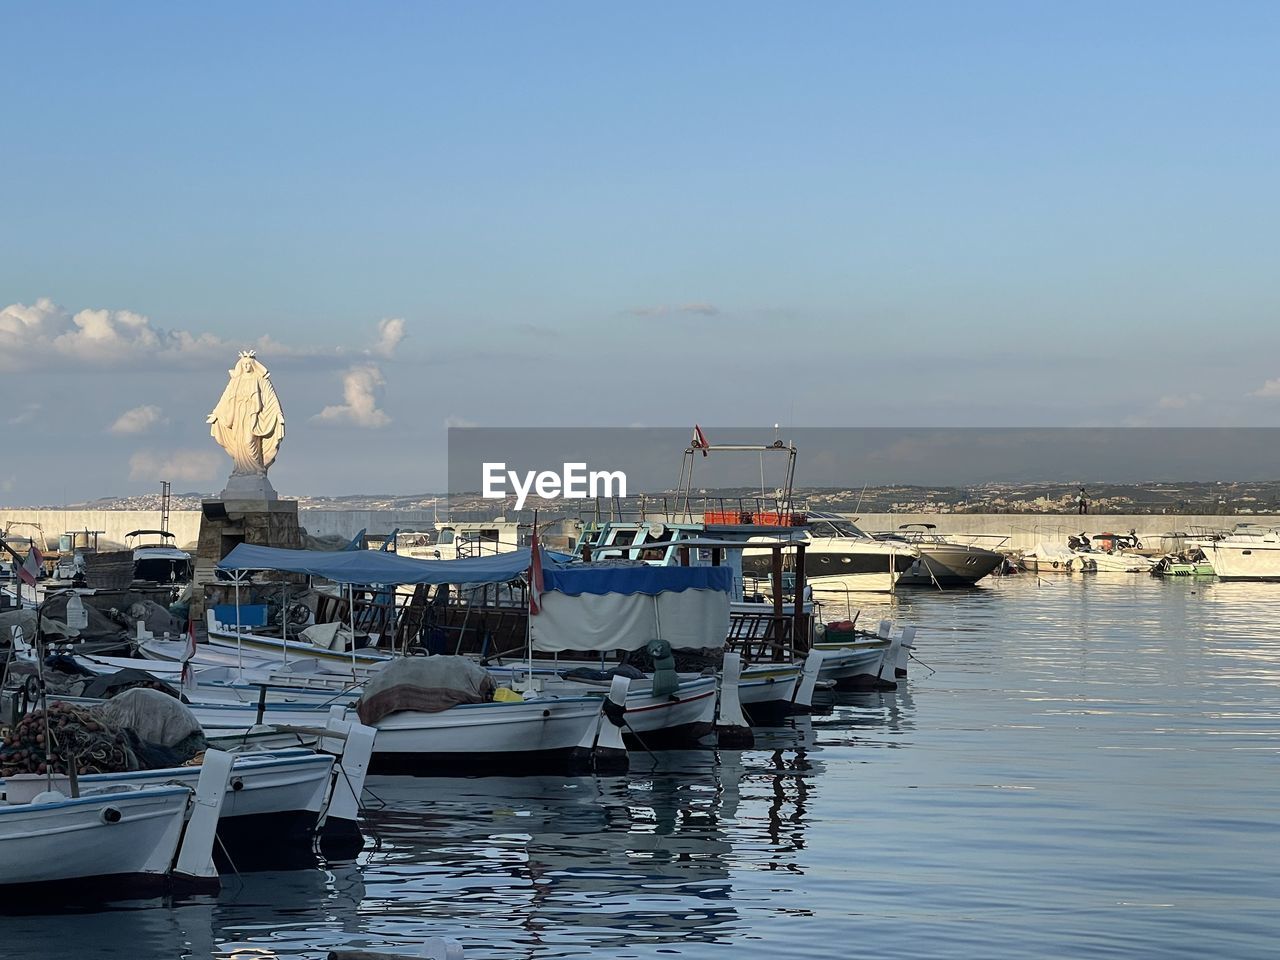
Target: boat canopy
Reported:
[(370, 567), (630, 579), (625, 607)]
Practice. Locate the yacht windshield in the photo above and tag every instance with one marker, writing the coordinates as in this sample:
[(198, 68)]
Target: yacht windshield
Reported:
[(834, 527)]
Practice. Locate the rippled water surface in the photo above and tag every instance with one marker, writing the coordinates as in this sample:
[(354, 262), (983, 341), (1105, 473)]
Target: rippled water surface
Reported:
[(1084, 768)]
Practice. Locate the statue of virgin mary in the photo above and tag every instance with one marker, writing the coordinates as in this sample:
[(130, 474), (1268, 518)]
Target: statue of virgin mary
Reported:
[(248, 422)]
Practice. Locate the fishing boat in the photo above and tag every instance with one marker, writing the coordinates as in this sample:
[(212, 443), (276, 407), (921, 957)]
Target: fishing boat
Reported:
[(113, 836), (1052, 558)]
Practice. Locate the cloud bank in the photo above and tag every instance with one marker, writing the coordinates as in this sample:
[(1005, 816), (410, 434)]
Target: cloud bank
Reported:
[(138, 420), (361, 388), (186, 466)]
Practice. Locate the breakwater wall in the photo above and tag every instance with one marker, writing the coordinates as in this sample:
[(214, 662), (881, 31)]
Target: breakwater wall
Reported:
[(185, 524), (1022, 531)]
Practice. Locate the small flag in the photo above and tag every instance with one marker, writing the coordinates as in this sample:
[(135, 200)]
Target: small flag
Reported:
[(535, 574), (29, 572), (699, 440)]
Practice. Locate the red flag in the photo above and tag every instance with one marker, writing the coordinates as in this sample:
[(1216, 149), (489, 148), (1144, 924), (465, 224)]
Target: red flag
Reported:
[(699, 440), (535, 574), (29, 572)]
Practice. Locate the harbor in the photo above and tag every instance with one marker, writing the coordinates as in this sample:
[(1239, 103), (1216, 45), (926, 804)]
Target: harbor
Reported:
[(582, 482), (1075, 768), (635, 733)]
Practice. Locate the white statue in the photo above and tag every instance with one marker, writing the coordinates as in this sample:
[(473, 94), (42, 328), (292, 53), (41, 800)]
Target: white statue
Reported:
[(249, 424)]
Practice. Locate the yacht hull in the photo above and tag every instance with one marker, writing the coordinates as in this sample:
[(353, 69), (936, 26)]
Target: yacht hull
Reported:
[(1247, 561), (945, 565)]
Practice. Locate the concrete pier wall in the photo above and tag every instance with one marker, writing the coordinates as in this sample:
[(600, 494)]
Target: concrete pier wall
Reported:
[(1023, 530), (185, 524)]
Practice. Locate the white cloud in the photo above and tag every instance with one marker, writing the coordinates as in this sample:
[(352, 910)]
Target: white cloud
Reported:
[(139, 419), (187, 466), (95, 337), (1178, 402), (361, 387), (46, 331), (451, 421), (390, 333), (1269, 389)]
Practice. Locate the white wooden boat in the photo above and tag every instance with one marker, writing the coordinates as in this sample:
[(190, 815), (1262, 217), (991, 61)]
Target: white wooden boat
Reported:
[(481, 737), (114, 835)]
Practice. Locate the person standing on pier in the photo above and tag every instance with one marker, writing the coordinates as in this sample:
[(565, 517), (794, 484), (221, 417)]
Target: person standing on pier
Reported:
[(1082, 502)]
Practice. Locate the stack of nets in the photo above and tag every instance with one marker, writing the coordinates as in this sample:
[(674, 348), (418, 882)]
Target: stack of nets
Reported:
[(139, 729), (74, 733)]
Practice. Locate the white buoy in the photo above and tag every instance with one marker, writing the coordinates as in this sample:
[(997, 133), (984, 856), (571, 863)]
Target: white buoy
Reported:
[(441, 948), (886, 627)]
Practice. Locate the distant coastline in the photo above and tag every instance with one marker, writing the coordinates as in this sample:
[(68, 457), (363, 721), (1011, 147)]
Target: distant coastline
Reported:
[(1218, 498)]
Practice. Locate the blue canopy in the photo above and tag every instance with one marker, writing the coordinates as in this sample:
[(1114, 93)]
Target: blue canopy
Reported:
[(645, 578), (367, 566)]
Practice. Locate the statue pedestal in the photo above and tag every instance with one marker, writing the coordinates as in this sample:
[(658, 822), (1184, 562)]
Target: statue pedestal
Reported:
[(249, 488), (226, 523)]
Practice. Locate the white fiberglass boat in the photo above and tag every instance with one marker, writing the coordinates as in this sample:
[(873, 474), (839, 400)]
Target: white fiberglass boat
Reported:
[(1248, 553)]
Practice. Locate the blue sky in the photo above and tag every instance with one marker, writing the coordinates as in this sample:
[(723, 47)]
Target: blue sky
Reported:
[(829, 214)]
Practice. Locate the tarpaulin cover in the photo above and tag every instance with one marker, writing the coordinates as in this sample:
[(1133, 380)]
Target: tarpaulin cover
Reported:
[(368, 566), (423, 684), (624, 607)]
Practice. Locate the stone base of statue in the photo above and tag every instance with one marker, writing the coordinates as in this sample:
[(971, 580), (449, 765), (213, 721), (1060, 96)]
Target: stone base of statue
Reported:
[(228, 521), (249, 487)]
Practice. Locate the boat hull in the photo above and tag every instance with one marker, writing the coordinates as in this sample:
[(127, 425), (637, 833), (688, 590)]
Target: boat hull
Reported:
[(82, 841), (1246, 561), (948, 565), (852, 665)]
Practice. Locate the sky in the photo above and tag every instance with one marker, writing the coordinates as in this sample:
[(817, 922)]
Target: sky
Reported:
[(573, 214)]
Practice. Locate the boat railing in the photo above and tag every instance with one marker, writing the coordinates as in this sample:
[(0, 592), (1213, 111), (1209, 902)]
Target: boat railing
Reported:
[(754, 510)]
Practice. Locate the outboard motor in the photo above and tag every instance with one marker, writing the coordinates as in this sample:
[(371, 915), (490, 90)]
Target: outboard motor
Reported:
[(665, 680)]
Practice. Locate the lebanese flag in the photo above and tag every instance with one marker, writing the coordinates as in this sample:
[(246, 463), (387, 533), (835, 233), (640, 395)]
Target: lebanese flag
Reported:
[(699, 440), (29, 572), (535, 573)]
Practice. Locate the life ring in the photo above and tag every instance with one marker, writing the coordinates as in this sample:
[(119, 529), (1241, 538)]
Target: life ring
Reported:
[(1055, 564)]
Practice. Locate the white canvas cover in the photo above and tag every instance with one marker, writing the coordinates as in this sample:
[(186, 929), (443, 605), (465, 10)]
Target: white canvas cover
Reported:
[(686, 619)]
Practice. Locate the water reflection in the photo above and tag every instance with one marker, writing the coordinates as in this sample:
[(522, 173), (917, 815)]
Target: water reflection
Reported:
[(523, 863)]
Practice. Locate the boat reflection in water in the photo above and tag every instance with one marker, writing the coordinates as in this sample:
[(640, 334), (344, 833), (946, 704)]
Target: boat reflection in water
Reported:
[(521, 865), (268, 914)]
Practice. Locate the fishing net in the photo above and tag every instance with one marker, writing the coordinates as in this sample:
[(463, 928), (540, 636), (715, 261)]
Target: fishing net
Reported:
[(45, 744)]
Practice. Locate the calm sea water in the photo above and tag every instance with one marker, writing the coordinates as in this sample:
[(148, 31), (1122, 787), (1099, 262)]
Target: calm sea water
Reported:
[(1085, 768)]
